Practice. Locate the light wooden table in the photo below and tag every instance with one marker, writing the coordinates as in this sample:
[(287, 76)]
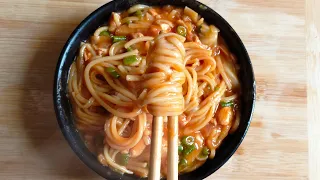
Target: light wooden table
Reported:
[(277, 33)]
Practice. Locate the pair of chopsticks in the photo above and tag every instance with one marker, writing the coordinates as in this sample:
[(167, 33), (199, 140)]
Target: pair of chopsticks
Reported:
[(156, 143)]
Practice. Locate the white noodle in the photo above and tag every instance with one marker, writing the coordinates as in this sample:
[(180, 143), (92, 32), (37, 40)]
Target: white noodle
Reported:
[(137, 40), (99, 30), (137, 8)]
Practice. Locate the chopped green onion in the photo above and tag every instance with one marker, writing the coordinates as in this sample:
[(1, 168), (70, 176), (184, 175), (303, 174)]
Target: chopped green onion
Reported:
[(128, 22), (129, 49), (216, 88), (226, 104), (203, 155), (105, 33), (180, 148), (112, 72), (202, 7), (187, 140), (130, 60), (188, 149), (138, 13), (123, 159), (118, 38), (183, 163), (181, 30), (205, 151)]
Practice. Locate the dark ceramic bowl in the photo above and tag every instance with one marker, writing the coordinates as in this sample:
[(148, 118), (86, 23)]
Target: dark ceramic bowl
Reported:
[(100, 16)]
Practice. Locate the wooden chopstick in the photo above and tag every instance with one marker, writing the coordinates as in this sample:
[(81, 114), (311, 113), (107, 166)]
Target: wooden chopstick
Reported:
[(173, 148), (156, 143)]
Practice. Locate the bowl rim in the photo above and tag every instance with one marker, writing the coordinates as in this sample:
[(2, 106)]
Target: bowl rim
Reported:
[(57, 94)]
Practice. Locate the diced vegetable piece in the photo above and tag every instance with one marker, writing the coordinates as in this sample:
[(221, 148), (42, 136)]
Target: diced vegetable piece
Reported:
[(118, 38), (112, 72), (203, 155), (105, 33), (191, 13), (202, 7), (181, 30), (180, 148), (130, 60), (187, 140), (225, 115), (188, 149), (205, 151), (226, 104), (138, 13), (129, 49), (123, 159), (182, 163)]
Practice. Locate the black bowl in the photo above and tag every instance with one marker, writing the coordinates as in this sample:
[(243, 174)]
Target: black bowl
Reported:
[(100, 16)]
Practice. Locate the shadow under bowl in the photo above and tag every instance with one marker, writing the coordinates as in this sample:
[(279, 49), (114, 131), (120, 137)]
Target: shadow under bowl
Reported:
[(100, 16)]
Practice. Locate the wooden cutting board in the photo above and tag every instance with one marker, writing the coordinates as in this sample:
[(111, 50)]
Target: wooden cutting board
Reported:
[(33, 32)]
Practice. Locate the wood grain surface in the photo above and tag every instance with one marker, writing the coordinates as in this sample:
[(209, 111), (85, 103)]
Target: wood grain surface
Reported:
[(32, 33), (313, 75)]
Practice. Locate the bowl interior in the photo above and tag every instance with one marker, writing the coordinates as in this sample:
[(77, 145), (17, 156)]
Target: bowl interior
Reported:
[(100, 16)]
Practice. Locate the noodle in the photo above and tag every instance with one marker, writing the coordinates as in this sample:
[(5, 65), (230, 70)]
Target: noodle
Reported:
[(99, 30), (115, 48), (137, 8), (137, 40), (153, 61)]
